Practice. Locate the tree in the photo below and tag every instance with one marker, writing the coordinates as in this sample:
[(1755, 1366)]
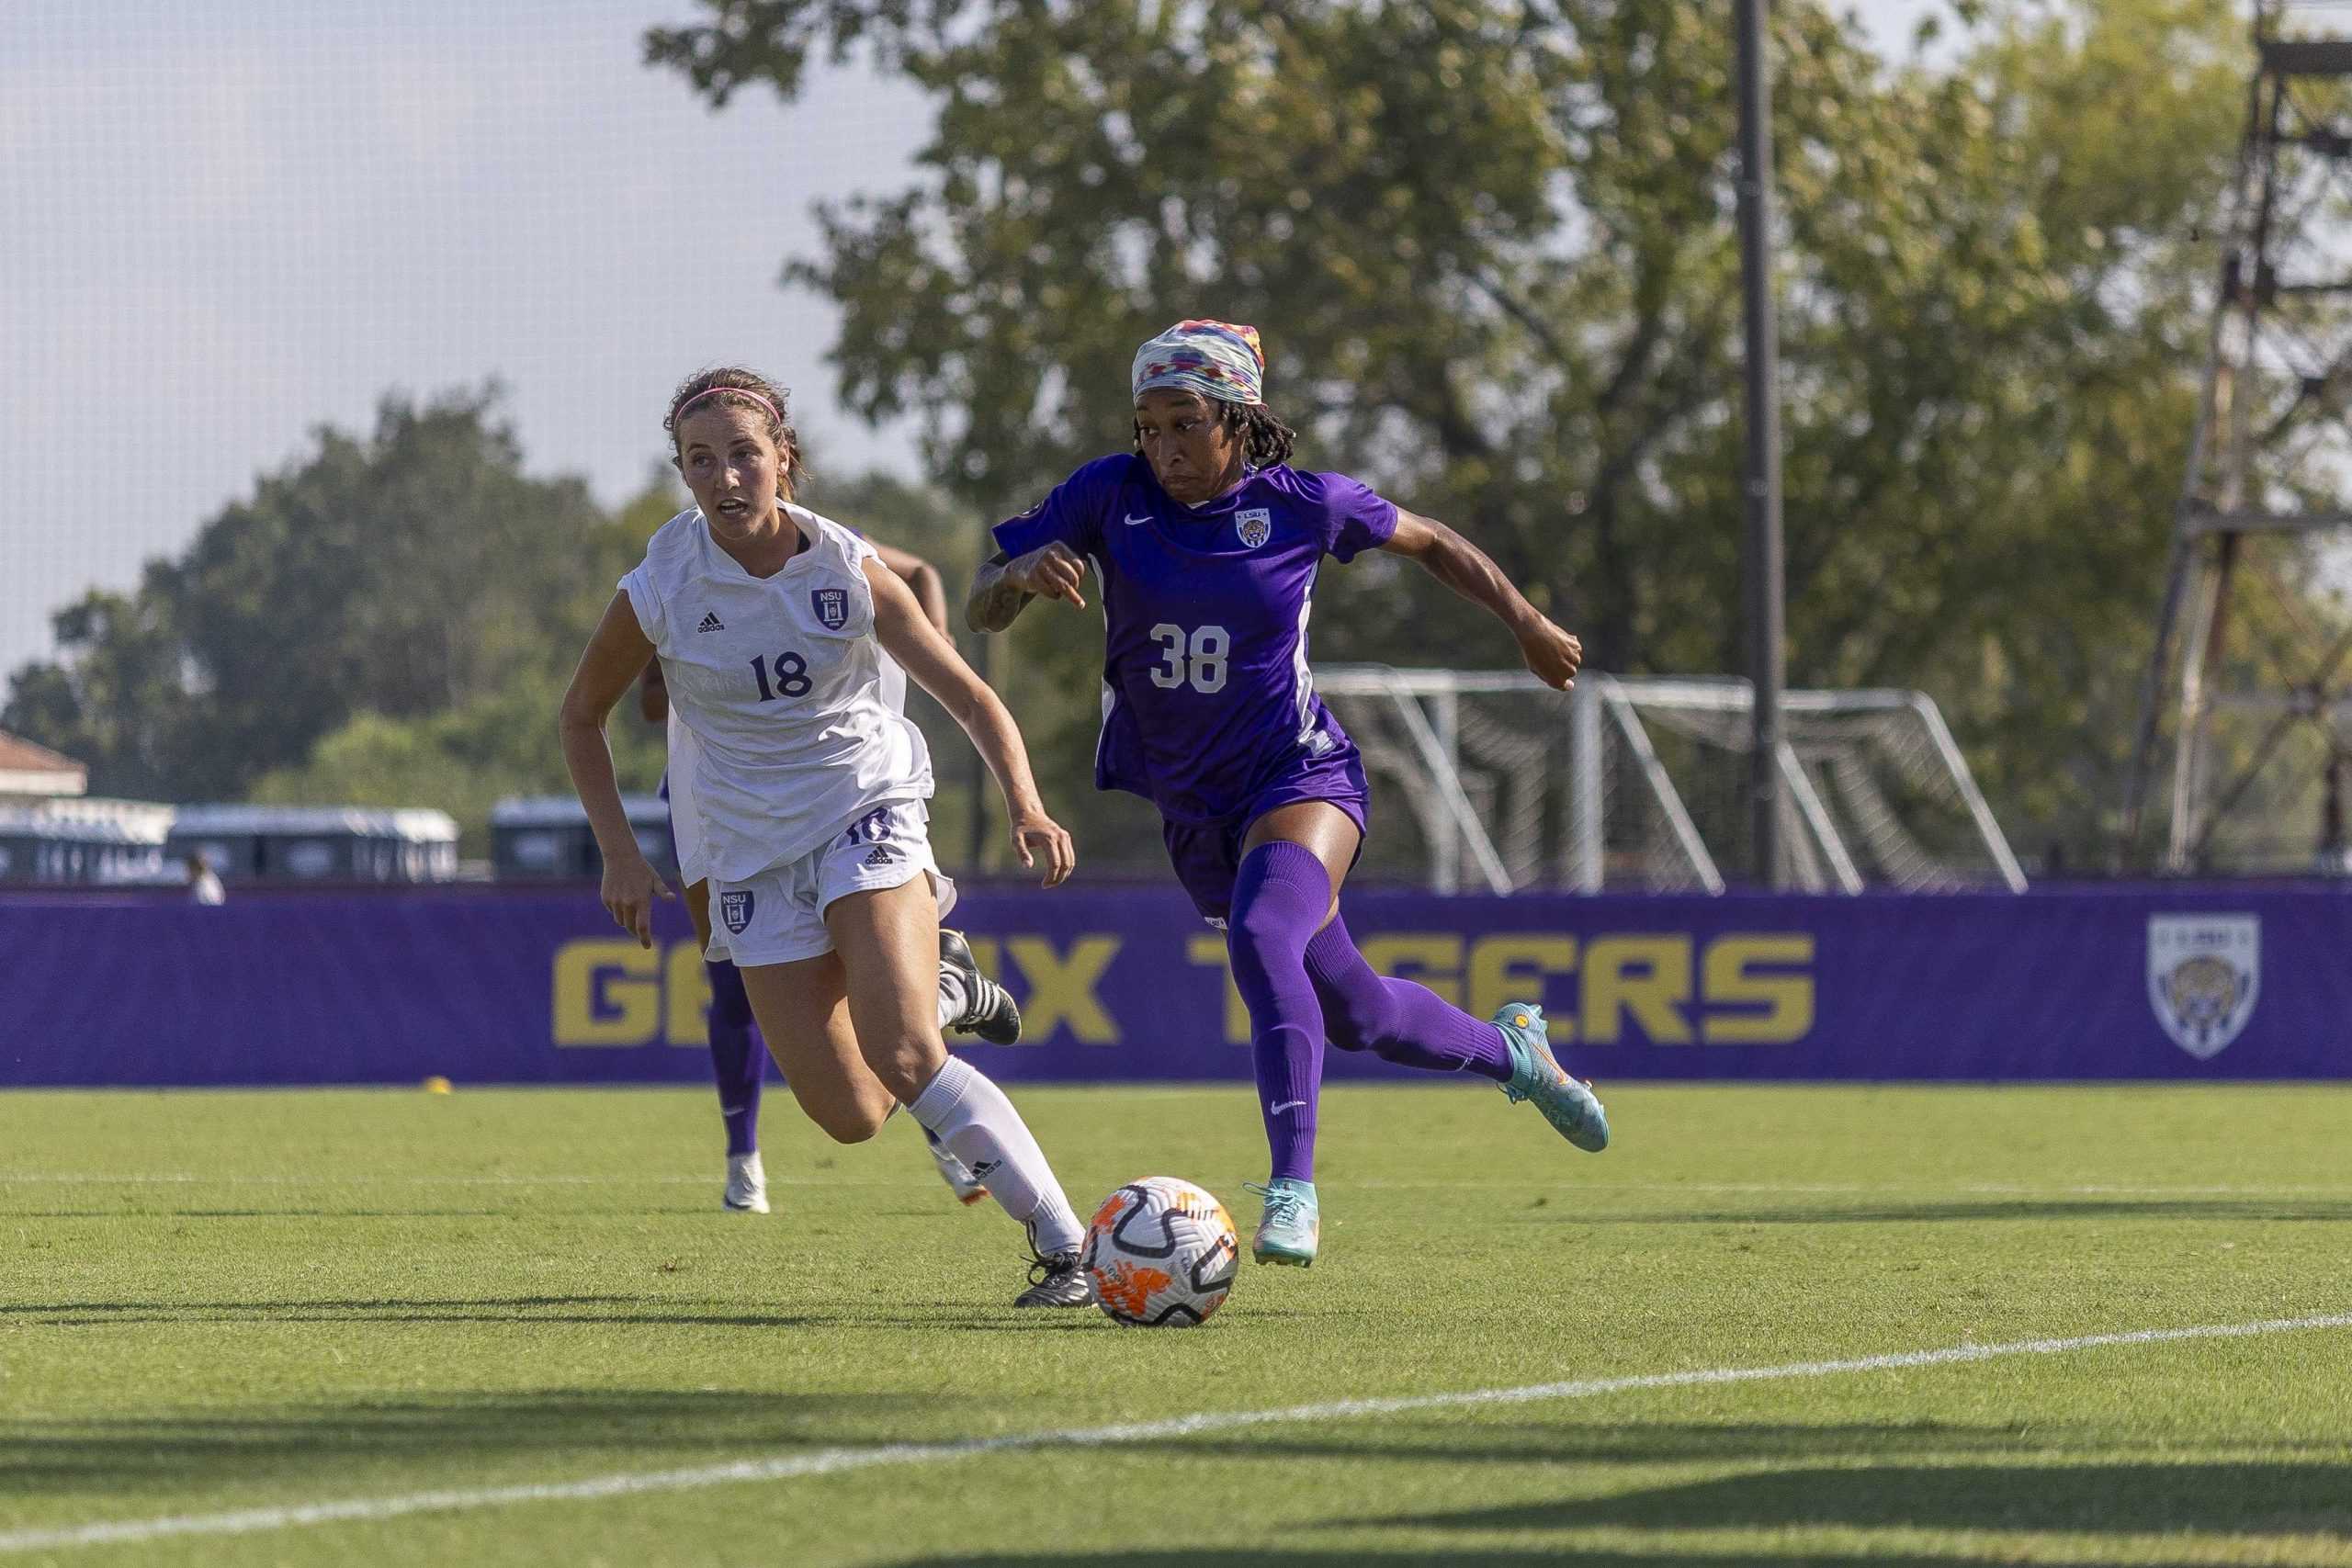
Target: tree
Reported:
[(497, 738), (1491, 248), (117, 699), (398, 574)]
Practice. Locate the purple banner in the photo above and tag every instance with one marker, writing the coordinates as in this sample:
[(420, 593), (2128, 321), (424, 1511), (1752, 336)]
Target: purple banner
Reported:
[(496, 986)]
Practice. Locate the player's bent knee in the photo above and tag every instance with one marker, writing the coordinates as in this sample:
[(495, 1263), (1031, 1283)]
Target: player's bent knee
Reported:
[(1262, 947), (1264, 923), (906, 1066), (850, 1123)]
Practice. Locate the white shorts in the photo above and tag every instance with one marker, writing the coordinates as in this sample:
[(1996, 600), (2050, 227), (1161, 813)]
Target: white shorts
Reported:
[(778, 915)]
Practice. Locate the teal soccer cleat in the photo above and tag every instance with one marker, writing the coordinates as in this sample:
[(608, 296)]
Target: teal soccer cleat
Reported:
[(1293, 1227), (1570, 1106)]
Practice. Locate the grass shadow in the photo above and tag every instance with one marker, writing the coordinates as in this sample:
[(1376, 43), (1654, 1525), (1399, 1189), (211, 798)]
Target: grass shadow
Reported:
[(615, 1310), (2226, 1497), (1644, 1443), (348, 1303), (132, 1211), (649, 1428)]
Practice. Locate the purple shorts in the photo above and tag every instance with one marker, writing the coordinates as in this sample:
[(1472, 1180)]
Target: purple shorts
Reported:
[(1207, 855)]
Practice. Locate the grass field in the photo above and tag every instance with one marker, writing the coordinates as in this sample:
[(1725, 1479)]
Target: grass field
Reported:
[(252, 1305)]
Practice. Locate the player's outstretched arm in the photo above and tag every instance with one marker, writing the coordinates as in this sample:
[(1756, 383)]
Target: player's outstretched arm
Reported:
[(617, 655), (936, 666), (1551, 653), (1002, 587)]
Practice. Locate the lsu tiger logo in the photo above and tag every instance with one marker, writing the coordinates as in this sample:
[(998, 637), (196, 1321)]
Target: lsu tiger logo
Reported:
[(832, 605), (735, 909), (1255, 525), (2204, 978)]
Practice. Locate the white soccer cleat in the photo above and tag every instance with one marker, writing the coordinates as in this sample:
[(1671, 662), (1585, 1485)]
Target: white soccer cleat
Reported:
[(747, 1185)]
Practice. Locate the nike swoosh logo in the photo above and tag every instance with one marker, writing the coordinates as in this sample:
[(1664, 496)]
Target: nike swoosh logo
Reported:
[(1285, 1105), (1132, 521)]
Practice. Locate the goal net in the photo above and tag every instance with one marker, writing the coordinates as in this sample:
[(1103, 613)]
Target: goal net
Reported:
[(1642, 784)]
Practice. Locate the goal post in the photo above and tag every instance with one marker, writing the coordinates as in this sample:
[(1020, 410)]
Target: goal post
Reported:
[(1640, 782)]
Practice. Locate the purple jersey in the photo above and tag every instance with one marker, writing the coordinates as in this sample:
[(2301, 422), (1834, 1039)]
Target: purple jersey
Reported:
[(1207, 697)]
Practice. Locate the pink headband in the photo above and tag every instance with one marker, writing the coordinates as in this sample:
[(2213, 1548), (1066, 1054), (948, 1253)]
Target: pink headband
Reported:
[(773, 412)]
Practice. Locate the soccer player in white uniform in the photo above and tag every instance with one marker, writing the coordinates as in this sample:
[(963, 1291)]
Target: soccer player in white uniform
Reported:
[(975, 1004), (772, 625)]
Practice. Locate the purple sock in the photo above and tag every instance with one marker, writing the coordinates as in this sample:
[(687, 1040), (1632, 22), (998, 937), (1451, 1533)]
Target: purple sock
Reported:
[(1279, 898), (739, 1058), (1396, 1019)]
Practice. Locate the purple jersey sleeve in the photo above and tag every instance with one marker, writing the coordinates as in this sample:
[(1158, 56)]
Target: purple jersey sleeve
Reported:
[(1072, 514), (1356, 518)]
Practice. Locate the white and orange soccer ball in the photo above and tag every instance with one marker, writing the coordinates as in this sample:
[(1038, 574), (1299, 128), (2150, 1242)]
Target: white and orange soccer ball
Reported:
[(1160, 1253)]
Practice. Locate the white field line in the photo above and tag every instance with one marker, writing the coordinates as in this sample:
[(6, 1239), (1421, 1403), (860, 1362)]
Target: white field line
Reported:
[(373, 1178), (827, 1462), (1588, 1191), (1584, 1193)]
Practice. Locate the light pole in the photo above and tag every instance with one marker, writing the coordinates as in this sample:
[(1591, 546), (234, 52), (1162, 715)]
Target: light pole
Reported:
[(1762, 560)]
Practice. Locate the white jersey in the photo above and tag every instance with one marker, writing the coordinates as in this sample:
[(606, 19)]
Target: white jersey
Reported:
[(678, 777), (685, 809), (781, 686)]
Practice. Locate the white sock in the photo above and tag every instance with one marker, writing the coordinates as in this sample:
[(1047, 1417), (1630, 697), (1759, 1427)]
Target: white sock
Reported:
[(978, 1124), (951, 1000)]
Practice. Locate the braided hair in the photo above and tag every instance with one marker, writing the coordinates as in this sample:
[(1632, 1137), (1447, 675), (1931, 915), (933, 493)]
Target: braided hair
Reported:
[(1265, 439)]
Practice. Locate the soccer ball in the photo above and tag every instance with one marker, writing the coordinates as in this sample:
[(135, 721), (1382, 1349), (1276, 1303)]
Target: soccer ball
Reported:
[(1160, 1253)]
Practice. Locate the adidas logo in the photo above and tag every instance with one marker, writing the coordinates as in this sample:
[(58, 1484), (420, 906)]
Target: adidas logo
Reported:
[(985, 1169), (878, 855), (711, 623)]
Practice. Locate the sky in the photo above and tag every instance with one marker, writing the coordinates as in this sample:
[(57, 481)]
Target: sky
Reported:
[(225, 223)]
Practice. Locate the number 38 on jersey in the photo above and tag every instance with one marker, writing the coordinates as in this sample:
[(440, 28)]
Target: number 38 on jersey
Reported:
[(1195, 658)]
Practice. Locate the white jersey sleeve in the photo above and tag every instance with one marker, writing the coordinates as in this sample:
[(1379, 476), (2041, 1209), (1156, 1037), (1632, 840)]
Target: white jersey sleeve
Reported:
[(645, 599)]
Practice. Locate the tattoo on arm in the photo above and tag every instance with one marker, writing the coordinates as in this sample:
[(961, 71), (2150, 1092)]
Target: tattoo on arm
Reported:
[(993, 602)]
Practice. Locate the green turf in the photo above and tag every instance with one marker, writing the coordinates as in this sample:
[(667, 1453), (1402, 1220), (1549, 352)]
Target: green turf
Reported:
[(214, 1302)]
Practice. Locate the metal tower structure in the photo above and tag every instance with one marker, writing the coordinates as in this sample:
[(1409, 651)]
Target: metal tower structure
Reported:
[(2250, 668)]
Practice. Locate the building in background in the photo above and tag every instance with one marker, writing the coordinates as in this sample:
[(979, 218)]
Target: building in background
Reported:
[(546, 837), (317, 843), (52, 833), (36, 772)]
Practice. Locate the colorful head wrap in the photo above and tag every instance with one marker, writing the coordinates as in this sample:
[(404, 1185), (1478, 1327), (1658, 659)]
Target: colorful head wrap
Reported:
[(1217, 359)]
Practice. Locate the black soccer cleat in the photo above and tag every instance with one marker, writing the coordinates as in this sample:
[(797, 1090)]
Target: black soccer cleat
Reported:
[(1055, 1280), (989, 1011)]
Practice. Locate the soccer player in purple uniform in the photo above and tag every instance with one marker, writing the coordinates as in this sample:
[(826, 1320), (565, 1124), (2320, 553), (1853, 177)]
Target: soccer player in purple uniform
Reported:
[(1207, 545)]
